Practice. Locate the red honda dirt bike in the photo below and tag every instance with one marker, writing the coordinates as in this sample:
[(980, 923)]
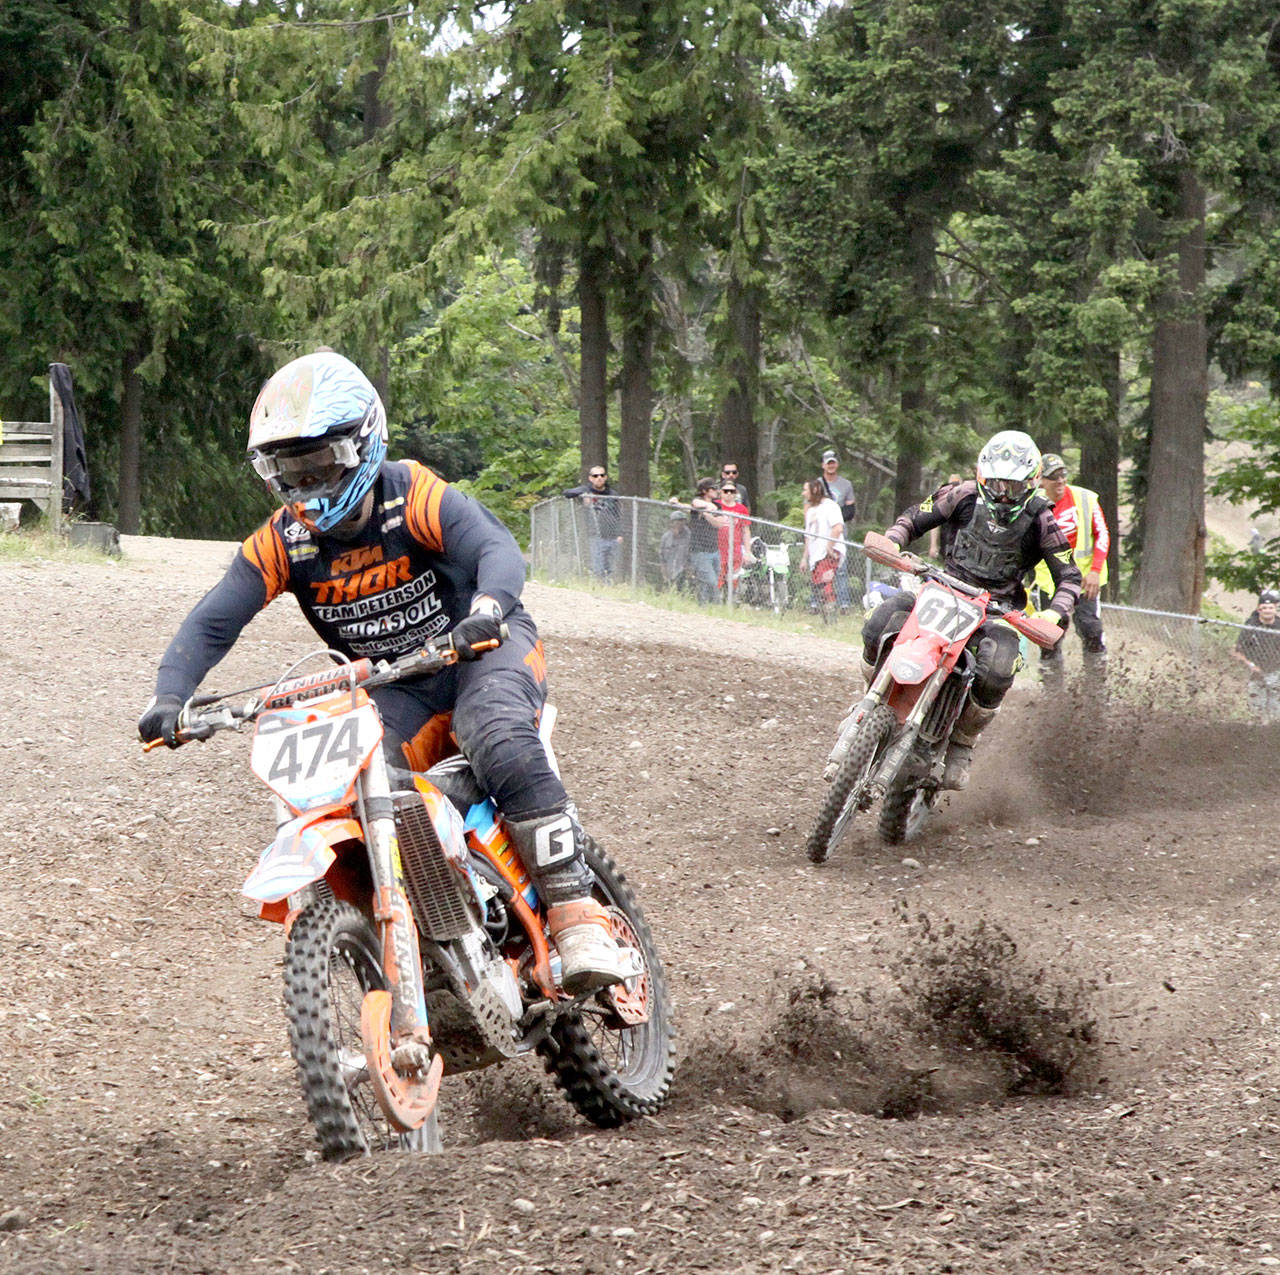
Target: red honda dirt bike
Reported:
[(892, 746), (416, 943)]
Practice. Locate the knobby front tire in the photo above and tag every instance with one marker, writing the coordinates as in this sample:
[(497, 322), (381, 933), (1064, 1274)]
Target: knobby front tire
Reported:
[(332, 958), (903, 813), (869, 738)]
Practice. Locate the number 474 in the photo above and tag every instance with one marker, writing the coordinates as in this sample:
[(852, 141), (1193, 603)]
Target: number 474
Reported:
[(327, 742)]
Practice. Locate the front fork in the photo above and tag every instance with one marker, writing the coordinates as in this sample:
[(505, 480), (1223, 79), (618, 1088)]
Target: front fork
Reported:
[(403, 1071), (401, 960), (904, 742)]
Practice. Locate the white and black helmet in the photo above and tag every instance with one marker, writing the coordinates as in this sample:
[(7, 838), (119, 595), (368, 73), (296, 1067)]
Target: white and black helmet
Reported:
[(1008, 467)]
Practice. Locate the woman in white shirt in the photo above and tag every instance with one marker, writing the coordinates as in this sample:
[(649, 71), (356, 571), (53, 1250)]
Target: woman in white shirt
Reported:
[(824, 546)]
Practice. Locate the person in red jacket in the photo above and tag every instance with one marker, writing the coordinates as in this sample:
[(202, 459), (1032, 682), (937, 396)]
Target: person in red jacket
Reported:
[(382, 556), (734, 531)]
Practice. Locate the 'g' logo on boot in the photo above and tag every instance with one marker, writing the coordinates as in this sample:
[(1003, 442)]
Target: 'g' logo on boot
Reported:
[(554, 841)]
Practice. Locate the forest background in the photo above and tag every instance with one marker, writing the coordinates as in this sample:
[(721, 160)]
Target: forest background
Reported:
[(663, 234)]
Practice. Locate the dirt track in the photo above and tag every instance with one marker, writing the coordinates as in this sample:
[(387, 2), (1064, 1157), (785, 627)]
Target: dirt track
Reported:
[(149, 1112)]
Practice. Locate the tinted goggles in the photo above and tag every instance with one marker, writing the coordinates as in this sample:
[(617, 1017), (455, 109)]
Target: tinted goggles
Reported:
[(300, 469), (1006, 490)]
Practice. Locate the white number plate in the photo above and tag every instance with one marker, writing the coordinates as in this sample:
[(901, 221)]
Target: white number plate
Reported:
[(311, 759), (940, 611)]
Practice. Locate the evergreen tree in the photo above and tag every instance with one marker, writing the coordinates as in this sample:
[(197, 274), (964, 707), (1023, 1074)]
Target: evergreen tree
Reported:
[(111, 265), (1181, 99)]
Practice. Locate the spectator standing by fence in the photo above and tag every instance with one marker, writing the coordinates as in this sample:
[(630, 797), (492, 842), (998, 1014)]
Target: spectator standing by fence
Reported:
[(840, 490), (1258, 648), (1079, 515), (734, 531), (673, 551), (704, 538), (729, 474), (824, 547), (604, 521)]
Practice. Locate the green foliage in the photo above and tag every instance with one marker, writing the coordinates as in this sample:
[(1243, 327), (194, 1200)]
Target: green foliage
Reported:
[(482, 371), (947, 217), (1252, 476), (108, 259)]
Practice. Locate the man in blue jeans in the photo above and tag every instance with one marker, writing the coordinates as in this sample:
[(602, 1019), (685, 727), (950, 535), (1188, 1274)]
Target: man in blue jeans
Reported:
[(841, 491), (604, 521), (705, 521)]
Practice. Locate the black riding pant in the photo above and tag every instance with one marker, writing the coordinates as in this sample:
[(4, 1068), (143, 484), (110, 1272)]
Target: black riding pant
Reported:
[(494, 702), (994, 645)]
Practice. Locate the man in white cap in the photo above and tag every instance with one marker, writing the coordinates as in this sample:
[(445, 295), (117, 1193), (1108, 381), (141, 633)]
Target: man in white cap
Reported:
[(841, 491)]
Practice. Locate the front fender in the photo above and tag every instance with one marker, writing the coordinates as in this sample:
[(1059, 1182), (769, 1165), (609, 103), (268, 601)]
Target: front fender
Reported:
[(912, 661), (302, 853)]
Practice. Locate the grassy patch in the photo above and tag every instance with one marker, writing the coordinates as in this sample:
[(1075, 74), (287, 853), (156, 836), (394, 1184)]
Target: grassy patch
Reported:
[(40, 544), (798, 620)]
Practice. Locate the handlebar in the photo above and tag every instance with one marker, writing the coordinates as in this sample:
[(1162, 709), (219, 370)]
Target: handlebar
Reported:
[(881, 549), (204, 715)]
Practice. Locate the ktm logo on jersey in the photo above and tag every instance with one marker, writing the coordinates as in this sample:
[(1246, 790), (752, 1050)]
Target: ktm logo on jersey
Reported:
[(356, 559), (374, 580)]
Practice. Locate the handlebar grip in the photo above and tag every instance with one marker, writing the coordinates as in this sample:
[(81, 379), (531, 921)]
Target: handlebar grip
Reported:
[(889, 554)]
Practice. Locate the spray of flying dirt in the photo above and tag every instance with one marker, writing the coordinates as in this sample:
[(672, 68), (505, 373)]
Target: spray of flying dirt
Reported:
[(960, 1018), (1096, 748)]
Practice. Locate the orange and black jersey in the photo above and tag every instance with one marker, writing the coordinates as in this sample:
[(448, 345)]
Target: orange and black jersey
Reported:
[(409, 576)]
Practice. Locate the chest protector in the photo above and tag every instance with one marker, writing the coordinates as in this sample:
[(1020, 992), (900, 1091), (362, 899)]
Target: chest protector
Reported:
[(987, 552)]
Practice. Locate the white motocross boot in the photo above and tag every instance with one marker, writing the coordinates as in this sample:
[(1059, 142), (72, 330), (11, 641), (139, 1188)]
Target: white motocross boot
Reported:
[(589, 954)]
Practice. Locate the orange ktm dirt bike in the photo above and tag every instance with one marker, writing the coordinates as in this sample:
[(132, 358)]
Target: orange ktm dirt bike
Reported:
[(416, 942), (892, 746)]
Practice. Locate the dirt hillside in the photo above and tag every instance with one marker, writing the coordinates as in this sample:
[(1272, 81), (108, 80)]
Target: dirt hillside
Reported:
[(1043, 1037)]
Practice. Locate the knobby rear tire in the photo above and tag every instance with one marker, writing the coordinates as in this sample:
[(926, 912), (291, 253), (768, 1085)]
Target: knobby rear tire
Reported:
[(869, 738), (331, 959), (611, 1072)]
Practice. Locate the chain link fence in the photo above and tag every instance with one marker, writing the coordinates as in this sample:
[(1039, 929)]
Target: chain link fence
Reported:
[(773, 574)]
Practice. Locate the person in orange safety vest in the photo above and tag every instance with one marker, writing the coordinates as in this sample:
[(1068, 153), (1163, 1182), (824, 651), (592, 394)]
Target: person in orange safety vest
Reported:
[(1079, 514)]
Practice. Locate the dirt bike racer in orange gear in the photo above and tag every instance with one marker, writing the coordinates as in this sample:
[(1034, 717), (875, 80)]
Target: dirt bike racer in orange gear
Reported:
[(413, 558)]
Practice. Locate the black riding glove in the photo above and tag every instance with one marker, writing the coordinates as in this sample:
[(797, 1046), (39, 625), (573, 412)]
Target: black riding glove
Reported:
[(159, 720), (480, 626)]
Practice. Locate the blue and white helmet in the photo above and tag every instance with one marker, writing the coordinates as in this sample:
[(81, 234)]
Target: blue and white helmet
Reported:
[(318, 436), (1008, 467)]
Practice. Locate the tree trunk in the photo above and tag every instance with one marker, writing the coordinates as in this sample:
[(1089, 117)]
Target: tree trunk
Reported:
[(914, 396), (129, 512), (636, 414), (738, 441), (1100, 462), (377, 115), (765, 476), (669, 295), (1171, 573), (593, 406)]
